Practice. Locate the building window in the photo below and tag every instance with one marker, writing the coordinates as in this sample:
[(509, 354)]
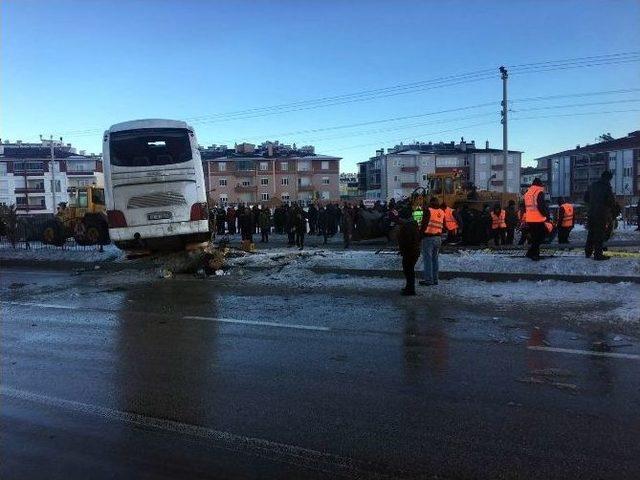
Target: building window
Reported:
[(223, 199), (222, 166), (395, 178), (325, 180), (58, 187), (264, 166), (264, 196), (510, 159), (424, 178), (285, 197), (222, 182), (284, 181), (264, 181), (21, 200), (284, 166), (304, 166), (483, 159), (325, 165), (246, 183), (325, 195), (3, 168)]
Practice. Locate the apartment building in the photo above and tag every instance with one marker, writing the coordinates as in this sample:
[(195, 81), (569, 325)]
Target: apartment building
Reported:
[(259, 174), (570, 172), (34, 183), (403, 168)]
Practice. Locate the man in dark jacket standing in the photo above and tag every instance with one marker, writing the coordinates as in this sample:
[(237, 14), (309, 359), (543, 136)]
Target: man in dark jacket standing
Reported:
[(601, 214), (409, 246), (313, 219), (512, 221)]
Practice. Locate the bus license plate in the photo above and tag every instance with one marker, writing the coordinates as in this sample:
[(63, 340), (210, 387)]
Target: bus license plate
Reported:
[(159, 215)]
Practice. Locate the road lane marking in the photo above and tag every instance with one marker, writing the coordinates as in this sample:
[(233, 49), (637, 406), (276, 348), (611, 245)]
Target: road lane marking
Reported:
[(48, 305), (187, 317), (275, 451), (257, 323), (630, 356)]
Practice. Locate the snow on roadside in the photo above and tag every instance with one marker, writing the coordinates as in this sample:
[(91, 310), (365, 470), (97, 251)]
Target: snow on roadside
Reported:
[(51, 253), (468, 261), (588, 302)]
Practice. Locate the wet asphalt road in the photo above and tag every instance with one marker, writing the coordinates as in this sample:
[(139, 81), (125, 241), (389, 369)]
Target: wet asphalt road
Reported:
[(205, 379)]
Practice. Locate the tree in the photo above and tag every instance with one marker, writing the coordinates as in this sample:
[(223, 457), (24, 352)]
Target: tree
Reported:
[(605, 137)]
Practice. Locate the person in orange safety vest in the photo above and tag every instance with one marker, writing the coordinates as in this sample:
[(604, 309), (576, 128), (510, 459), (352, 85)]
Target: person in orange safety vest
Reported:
[(498, 225), (566, 220), (536, 215), (451, 223), (431, 228)]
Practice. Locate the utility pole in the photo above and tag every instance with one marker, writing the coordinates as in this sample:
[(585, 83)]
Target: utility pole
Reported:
[(504, 75), (53, 172)]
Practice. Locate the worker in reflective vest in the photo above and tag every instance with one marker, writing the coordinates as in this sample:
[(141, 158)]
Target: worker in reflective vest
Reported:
[(451, 224), (499, 225), (432, 228), (536, 214), (565, 220)]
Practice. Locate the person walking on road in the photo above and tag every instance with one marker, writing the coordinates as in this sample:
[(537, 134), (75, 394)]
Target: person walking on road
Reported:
[(409, 247), (536, 214), (565, 220), (601, 214), (300, 226), (431, 228)]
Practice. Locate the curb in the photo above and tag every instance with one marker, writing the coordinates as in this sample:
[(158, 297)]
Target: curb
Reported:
[(105, 265), (484, 276)]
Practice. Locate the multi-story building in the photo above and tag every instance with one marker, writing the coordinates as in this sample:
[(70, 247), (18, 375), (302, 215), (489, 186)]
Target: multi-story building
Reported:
[(571, 171), (397, 173), (528, 174), (36, 184), (257, 174), (348, 186)]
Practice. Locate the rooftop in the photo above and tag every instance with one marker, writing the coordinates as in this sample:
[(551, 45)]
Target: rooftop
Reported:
[(632, 140)]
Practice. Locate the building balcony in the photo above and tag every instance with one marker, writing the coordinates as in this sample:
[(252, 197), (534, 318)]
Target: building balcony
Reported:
[(306, 188), (84, 173), (30, 208), (246, 188), (409, 184), (30, 190), (29, 173), (498, 167), (409, 169)]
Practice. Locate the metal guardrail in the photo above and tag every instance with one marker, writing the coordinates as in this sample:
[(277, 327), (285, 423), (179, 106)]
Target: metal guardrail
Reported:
[(28, 236)]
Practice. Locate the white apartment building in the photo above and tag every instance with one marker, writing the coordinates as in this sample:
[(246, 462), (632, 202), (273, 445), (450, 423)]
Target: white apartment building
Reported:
[(397, 173), (35, 184)]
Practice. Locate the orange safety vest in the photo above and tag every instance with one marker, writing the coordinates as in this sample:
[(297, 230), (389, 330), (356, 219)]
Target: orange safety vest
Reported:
[(436, 222), (449, 220), (548, 226), (498, 221), (567, 219), (532, 213)]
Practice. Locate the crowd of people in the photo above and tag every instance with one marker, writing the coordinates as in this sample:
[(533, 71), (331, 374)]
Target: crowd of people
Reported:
[(422, 227)]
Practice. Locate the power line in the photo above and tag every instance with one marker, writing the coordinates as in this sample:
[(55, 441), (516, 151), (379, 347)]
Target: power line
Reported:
[(590, 104)]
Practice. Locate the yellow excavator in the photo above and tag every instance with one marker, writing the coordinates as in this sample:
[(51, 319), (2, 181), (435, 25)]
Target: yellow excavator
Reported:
[(83, 218)]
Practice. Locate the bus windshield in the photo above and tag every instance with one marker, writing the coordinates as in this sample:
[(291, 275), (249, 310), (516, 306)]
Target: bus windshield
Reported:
[(150, 147)]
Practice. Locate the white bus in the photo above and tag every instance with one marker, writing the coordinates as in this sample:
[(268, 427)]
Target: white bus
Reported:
[(154, 185)]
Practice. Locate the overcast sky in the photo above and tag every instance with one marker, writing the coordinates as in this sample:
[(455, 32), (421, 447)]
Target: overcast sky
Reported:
[(73, 68)]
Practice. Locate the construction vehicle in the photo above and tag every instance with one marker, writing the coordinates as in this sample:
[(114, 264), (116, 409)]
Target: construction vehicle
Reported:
[(451, 189), (83, 218)]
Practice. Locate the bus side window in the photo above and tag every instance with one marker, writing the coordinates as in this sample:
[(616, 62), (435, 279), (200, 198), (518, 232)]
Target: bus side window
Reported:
[(448, 185)]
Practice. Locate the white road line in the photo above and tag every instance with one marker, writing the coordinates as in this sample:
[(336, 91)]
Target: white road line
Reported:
[(629, 356), (275, 451), (47, 305), (261, 324)]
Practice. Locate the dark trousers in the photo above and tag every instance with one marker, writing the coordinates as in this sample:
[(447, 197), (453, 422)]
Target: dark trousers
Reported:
[(510, 235), (265, 234), (595, 239), (563, 234), (408, 268), (220, 227), (499, 235), (232, 227), (292, 238), (524, 234), (537, 232), (300, 239)]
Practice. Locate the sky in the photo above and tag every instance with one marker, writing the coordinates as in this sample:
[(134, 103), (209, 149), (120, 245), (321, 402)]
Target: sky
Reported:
[(73, 68)]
